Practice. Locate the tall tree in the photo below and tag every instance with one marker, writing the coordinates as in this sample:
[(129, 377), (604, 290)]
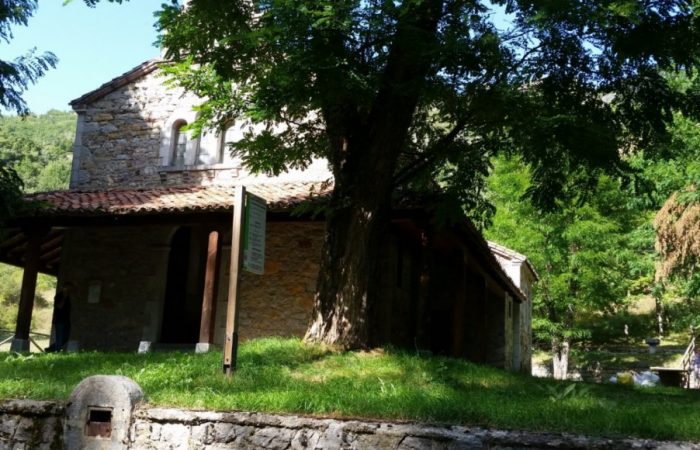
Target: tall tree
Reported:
[(419, 94), (39, 148), (586, 251), (18, 74), (674, 179), (677, 222), (15, 77)]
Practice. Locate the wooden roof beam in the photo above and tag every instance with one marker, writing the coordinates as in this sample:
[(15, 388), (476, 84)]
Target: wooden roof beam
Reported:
[(17, 238), (52, 241), (51, 255)]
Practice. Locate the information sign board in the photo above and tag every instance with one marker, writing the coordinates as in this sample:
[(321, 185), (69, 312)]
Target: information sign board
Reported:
[(254, 234)]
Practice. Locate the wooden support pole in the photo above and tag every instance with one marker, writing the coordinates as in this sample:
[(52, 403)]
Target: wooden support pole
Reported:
[(422, 340), (231, 338), (459, 308), (206, 327), (483, 326), (26, 299)]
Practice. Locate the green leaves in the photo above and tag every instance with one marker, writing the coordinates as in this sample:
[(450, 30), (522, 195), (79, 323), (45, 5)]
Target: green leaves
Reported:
[(10, 191), (39, 149), (15, 77), (584, 250), (18, 74), (568, 85)]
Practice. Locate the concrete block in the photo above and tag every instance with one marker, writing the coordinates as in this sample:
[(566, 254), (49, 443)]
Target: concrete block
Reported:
[(98, 413), (203, 347), (145, 346)]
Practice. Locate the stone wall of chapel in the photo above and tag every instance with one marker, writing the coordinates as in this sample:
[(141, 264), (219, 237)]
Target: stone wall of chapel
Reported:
[(128, 266), (124, 140), (125, 267), (278, 303), (526, 320), (119, 139)]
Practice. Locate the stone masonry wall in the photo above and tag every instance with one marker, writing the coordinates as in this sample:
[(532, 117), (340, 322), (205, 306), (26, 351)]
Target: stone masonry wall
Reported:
[(26, 424), (527, 281), (157, 428), (124, 140), (120, 137), (128, 265), (278, 303)]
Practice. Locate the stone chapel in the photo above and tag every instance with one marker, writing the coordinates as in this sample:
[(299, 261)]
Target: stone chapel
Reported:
[(144, 233)]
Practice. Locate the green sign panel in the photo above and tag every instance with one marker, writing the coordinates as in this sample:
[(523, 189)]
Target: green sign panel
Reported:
[(254, 234)]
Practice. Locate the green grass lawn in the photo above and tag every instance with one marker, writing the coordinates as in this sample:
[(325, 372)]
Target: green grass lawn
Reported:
[(285, 375)]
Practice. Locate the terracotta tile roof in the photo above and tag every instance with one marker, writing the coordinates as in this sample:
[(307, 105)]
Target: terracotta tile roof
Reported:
[(280, 196), (177, 199), (115, 83)]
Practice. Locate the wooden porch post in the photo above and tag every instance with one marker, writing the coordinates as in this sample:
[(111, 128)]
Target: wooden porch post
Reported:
[(483, 325), (211, 278), (459, 309), (231, 338), (422, 312), (20, 343)]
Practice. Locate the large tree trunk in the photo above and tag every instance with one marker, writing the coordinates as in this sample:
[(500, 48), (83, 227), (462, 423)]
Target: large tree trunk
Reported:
[(364, 154), (348, 277)]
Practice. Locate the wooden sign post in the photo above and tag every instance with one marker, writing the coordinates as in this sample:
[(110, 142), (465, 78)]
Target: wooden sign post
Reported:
[(248, 232), (231, 337)]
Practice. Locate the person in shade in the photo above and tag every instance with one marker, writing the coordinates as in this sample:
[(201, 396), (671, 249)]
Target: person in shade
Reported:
[(61, 318)]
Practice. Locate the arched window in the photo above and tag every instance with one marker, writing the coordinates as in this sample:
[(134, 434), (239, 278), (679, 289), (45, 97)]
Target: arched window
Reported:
[(229, 134), (179, 143), (207, 149)]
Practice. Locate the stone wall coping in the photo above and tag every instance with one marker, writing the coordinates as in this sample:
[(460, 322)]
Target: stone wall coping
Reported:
[(404, 432), (134, 74), (31, 408), (436, 432)]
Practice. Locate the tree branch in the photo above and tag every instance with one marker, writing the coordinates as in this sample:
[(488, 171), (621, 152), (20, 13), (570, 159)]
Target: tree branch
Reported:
[(431, 154)]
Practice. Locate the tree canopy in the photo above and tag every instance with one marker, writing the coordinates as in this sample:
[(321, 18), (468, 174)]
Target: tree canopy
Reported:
[(18, 74), (677, 222), (15, 76), (38, 147), (566, 84), (590, 254), (419, 94), (596, 256)]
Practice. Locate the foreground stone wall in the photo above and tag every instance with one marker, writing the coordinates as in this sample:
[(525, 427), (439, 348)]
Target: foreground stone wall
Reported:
[(26, 424), (39, 425), (176, 429)]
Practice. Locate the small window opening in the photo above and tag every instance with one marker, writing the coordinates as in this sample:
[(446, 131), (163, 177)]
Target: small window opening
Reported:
[(229, 135), (99, 422), (179, 143)]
